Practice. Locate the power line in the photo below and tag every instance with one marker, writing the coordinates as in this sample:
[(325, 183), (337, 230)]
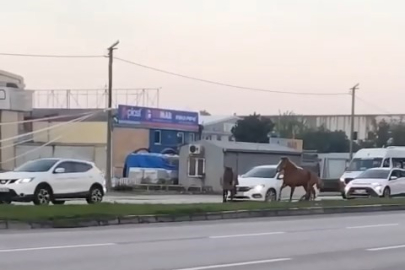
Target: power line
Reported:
[(51, 55), (226, 84), (373, 105)]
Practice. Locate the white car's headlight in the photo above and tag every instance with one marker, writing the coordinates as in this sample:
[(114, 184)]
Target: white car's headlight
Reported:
[(342, 179), (24, 180), (376, 184), (259, 187)]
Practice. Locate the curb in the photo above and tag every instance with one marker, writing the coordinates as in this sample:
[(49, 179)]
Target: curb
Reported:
[(224, 215)]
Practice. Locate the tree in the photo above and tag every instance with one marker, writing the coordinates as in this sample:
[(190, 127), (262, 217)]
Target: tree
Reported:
[(325, 141), (382, 134), (398, 134), (253, 128), (290, 125)]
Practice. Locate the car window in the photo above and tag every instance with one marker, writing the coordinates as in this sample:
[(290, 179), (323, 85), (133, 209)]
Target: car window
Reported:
[(39, 165), (374, 174), (261, 172), (82, 167), (75, 167), (396, 173)]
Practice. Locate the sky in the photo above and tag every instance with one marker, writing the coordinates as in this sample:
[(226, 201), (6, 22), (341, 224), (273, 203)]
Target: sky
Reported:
[(280, 45)]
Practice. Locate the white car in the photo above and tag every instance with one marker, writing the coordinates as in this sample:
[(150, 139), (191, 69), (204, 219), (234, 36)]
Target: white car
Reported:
[(53, 180), (263, 183), (377, 182)]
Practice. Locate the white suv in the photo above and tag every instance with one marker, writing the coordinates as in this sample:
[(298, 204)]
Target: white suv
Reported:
[(53, 180)]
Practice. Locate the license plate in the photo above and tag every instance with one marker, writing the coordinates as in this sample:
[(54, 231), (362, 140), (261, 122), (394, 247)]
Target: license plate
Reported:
[(4, 190), (360, 191)]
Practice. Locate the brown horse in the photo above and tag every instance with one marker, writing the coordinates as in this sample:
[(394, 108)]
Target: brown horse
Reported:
[(295, 176)]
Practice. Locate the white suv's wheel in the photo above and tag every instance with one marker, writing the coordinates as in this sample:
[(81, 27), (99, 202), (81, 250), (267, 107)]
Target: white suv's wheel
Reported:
[(271, 195), (95, 195), (42, 195)]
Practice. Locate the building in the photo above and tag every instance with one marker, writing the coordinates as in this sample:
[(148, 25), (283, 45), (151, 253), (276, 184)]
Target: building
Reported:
[(14, 102), (218, 127), (58, 133), (151, 129), (201, 164)]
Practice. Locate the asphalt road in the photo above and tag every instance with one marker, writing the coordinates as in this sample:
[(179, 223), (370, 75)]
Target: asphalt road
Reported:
[(334, 242)]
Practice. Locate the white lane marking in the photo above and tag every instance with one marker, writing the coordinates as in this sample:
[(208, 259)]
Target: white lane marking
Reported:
[(244, 235), (218, 266), (386, 248), (55, 247), (373, 226)]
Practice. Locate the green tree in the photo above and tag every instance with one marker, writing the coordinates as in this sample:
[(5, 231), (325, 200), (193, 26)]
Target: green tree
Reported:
[(253, 128), (382, 134), (289, 125), (325, 141), (398, 134)]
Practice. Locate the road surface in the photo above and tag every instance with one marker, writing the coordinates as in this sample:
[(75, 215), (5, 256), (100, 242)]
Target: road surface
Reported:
[(347, 242)]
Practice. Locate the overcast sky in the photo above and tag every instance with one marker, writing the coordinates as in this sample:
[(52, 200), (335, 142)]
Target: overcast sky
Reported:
[(289, 45)]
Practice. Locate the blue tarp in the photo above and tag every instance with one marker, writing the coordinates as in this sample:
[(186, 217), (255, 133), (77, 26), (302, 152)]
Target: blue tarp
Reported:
[(148, 160)]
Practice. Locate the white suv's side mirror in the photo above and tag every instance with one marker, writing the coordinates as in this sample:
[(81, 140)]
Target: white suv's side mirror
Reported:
[(393, 178), (59, 170)]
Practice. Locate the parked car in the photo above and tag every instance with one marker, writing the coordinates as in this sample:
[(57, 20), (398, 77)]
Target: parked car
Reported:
[(55, 180), (377, 182), (263, 183)]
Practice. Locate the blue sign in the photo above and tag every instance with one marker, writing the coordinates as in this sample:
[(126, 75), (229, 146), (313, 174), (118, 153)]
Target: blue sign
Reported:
[(157, 118)]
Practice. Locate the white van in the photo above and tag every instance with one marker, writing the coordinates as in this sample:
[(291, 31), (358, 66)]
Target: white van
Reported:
[(390, 157)]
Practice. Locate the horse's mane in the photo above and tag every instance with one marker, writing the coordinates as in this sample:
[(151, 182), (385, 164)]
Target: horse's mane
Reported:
[(295, 165)]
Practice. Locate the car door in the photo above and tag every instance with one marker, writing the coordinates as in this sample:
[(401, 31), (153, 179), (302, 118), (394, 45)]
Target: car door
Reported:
[(63, 182), (401, 183), (83, 177), (394, 182)]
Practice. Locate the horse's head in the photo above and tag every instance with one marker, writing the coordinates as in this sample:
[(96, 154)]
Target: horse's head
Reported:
[(282, 164)]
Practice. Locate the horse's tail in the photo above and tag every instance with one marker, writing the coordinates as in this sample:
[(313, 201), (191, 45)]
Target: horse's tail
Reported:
[(319, 182)]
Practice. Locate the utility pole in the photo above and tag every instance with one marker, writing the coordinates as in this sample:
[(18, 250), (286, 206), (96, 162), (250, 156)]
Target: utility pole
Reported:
[(110, 116), (353, 92)]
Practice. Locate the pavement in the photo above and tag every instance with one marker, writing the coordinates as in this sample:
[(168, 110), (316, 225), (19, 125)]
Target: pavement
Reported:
[(350, 242)]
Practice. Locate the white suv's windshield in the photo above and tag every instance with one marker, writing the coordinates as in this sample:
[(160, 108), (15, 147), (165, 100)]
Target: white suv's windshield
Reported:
[(358, 164), (374, 174), (261, 172), (39, 165)]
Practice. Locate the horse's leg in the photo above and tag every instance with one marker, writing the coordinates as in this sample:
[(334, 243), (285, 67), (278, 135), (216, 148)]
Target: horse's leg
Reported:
[(304, 196), (281, 189), (292, 192), (309, 189)]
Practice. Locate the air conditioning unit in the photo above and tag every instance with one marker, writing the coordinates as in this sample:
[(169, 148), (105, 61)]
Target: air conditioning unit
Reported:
[(194, 149)]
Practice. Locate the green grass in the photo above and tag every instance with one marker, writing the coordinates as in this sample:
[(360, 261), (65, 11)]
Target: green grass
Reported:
[(107, 210)]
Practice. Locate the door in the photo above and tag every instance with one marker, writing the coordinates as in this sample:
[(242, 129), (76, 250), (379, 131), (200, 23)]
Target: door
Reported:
[(74, 179), (401, 183), (395, 182), (63, 182)]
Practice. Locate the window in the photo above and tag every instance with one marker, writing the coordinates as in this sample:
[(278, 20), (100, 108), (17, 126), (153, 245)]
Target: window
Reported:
[(218, 137), (358, 164), (75, 167), (261, 172), (398, 162), (191, 137), (386, 163), (157, 137), (82, 167), (396, 173), (208, 137), (180, 137), (196, 167), (374, 174), (39, 165)]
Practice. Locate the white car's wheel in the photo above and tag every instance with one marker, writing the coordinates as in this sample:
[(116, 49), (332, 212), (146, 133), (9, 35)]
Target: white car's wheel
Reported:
[(271, 195), (42, 195), (96, 195), (386, 193)]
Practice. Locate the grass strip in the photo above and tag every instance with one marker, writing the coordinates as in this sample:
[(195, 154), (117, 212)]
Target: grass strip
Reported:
[(112, 210)]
